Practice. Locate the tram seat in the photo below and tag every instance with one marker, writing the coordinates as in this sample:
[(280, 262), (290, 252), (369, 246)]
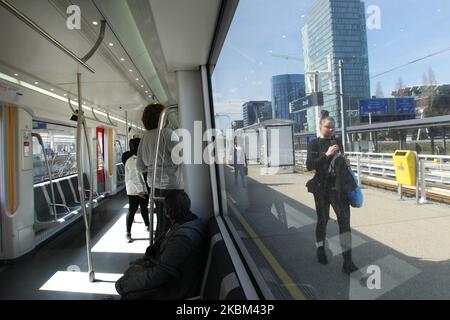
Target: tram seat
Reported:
[(61, 206), (220, 281), (74, 181), (66, 200), (68, 193), (41, 205)]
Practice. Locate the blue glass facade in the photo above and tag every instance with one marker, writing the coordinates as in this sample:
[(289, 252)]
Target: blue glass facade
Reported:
[(254, 110), (285, 89), (336, 30)]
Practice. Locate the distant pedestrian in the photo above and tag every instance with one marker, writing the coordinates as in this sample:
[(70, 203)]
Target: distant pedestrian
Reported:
[(418, 148)]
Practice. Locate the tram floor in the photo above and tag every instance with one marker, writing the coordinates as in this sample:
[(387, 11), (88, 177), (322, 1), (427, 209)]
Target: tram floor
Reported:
[(404, 246), (58, 269)]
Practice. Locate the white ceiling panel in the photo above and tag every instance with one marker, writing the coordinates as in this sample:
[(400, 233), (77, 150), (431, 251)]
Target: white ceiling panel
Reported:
[(186, 30)]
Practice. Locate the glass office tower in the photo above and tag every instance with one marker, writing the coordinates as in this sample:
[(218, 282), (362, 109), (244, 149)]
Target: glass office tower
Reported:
[(285, 89), (336, 30)]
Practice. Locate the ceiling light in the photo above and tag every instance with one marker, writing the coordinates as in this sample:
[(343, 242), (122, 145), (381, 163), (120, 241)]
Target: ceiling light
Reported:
[(146, 91), (36, 83), (131, 70), (52, 89), (65, 95), (111, 44), (95, 23), (142, 85), (122, 59), (16, 74), (137, 79)]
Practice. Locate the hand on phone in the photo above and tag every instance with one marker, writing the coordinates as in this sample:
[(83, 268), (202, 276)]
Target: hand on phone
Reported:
[(332, 150)]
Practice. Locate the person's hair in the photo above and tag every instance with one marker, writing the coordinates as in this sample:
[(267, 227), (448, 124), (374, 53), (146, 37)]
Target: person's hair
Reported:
[(150, 117), (134, 145), (325, 116), (178, 203)]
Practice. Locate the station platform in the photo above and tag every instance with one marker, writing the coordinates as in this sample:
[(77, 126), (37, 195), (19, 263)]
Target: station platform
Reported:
[(405, 243)]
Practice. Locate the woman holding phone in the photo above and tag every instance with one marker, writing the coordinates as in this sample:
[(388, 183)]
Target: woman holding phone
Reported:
[(321, 153)]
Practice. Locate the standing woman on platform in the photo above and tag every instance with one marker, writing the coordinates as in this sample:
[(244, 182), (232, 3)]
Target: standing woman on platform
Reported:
[(326, 190)]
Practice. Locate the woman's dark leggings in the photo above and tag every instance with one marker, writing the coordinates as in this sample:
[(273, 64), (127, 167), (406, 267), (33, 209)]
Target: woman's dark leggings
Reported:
[(341, 207), (135, 203)]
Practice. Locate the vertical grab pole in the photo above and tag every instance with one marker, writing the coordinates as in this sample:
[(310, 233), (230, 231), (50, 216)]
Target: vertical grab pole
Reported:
[(91, 173), (155, 163), (423, 198), (81, 180), (162, 120)]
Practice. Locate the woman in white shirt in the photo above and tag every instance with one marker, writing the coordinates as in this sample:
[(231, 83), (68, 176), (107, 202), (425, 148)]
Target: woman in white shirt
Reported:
[(136, 188)]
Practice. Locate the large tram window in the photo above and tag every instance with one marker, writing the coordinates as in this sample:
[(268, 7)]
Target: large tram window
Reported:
[(120, 147), (278, 60), (60, 148)]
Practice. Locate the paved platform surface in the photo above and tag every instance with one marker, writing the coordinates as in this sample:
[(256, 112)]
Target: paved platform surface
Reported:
[(407, 244)]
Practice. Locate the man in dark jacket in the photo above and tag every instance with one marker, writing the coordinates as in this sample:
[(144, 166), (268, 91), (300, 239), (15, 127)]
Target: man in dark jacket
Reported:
[(172, 268)]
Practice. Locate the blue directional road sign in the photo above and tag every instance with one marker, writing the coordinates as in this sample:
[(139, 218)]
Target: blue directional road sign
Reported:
[(405, 106), (377, 107)]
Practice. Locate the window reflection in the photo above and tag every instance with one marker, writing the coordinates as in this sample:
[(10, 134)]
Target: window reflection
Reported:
[(370, 66), (60, 147)]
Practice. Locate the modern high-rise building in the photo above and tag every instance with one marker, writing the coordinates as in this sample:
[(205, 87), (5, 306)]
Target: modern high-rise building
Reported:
[(336, 30), (237, 124), (254, 111), (285, 89)]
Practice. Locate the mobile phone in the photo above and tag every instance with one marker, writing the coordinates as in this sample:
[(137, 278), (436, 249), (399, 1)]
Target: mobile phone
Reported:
[(333, 141)]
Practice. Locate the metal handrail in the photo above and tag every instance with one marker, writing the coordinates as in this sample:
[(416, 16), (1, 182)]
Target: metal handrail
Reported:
[(162, 120), (75, 112), (382, 164), (15, 11), (52, 189)]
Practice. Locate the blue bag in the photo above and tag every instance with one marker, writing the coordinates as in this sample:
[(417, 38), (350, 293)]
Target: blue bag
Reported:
[(355, 197)]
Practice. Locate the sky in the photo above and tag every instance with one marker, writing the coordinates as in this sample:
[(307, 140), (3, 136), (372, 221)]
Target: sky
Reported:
[(410, 29)]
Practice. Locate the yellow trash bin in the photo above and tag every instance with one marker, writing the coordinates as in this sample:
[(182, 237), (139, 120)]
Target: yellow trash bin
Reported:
[(405, 162)]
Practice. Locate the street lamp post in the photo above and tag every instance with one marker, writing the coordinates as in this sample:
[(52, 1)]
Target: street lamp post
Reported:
[(341, 92)]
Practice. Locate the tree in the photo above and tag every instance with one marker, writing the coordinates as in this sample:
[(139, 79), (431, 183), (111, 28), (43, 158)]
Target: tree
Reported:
[(431, 77), (379, 90), (439, 106), (400, 84), (425, 81)]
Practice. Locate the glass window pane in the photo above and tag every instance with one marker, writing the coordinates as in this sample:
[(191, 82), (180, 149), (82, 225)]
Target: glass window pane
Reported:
[(382, 73), (60, 148)]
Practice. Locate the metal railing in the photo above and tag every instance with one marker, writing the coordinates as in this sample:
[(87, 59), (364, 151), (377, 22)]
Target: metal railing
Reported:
[(436, 168)]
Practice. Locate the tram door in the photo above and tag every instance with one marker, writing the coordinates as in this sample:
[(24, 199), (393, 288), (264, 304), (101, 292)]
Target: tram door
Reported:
[(100, 160)]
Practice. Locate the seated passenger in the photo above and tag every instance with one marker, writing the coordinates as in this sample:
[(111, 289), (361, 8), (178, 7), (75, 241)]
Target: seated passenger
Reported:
[(136, 188), (172, 268)]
